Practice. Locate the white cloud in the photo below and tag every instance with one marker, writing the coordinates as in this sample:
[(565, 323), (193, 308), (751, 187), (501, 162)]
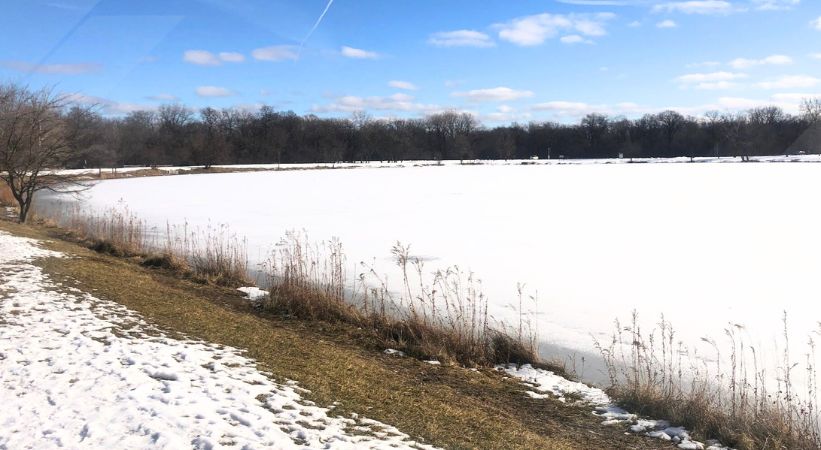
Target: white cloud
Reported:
[(790, 82), (667, 24), (574, 39), (206, 58), (772, 60), (568, 109), (775, 5), (816, 23), (52, 69), (201, 58), (497, 94), (395, 102), (461, 38), (107, 106), (276, 53), (357, 53), (815, 55), (232, 57), (696, 7), (504, 113), (535, 29), (213, 91), (406, 85), (712, 77), (715, 85), (634, 24)]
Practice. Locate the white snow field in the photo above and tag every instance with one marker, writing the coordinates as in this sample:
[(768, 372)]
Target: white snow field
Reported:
[(80, 372), (704, 244)]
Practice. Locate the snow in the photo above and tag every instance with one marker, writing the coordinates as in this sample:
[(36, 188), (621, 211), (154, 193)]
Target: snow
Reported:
[(425, 163), (720, 237), (81, 372), (253, 294), (560, 388)]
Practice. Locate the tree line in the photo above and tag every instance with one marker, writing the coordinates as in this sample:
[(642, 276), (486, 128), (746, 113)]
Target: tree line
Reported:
[(178, 135), (41, 130)]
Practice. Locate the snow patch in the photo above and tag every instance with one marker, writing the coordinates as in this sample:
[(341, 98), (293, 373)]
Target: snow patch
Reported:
[(562, 388), (80, 372), (254, 294)]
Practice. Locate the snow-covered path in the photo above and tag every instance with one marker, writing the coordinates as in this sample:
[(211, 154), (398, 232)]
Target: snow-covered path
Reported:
[(80, 372)]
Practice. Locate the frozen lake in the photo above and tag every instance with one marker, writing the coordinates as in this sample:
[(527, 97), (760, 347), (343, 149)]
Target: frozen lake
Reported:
[(703, 244)]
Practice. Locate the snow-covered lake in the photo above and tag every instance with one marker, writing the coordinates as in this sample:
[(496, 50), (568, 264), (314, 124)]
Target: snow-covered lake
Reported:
[(703, 244)]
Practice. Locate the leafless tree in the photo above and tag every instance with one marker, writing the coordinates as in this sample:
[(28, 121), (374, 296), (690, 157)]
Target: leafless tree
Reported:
[(811, 110), (34, 142)]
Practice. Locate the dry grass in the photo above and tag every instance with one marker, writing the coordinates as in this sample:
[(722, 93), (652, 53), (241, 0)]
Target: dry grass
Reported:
[(735, 401), (210, 255), (442, 316), (6, 199)]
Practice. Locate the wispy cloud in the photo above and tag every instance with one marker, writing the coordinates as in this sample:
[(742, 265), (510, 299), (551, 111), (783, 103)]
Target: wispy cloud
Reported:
[(52, 69), (710, 81), (395, 102), (790, 82), (497, 94), (358, 53), (816, 23), (163, 97), (696, 7), (276, 53), (233, 57), (206, 58), (571, 109), (213, 91), (316, 25), (692, 78), (536, 29), (461, 38), (574, 39), (775, 5), (107, 106), (406, 85), (201, 58), (772, 60), (667, 24)]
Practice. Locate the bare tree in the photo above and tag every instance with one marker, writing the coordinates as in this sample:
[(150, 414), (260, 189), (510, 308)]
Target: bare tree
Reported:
[(34, 141), (671, 123), (811, 110)]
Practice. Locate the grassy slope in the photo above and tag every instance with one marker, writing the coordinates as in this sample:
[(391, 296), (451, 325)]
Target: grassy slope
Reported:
[(446, 406)]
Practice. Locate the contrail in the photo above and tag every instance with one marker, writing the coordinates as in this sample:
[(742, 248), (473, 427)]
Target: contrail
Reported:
[(316, 25)]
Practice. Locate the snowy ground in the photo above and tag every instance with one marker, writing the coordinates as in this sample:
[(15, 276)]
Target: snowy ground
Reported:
[(547, 384), (703, 244), (423, 163), (80, 372)]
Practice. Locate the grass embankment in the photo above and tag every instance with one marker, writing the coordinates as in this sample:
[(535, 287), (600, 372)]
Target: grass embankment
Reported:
[(443, 405)]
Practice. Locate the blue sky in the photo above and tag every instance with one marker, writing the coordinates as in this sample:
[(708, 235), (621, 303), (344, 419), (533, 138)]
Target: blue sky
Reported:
[(504, 61)]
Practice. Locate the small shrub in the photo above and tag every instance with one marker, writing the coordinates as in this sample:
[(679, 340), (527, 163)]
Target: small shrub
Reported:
[(166, 261)]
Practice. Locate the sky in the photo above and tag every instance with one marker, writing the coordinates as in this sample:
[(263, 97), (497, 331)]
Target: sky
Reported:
[(504, 61)]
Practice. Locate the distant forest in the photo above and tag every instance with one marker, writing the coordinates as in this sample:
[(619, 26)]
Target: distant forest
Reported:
[(177, 135)]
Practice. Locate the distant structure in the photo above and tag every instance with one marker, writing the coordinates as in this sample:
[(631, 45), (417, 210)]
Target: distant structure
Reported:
[(808, 143)]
